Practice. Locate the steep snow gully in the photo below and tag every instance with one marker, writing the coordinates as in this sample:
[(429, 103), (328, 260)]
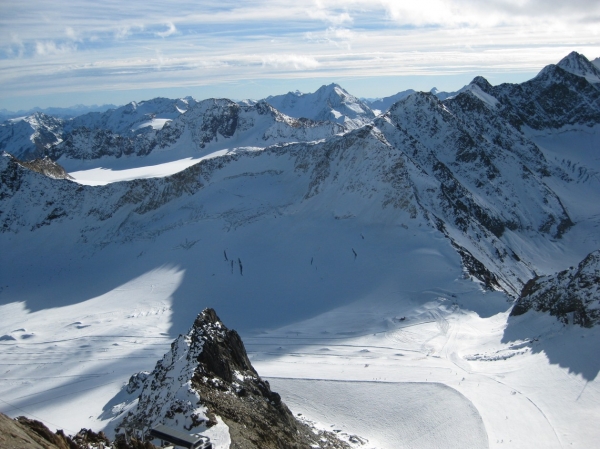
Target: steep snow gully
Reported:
[(369, 262)]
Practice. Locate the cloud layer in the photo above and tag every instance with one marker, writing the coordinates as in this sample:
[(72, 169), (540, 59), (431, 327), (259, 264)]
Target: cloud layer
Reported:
[(79, 46)]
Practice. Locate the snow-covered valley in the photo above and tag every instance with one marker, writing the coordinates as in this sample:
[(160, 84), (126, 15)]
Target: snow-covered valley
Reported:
[(370, 270)]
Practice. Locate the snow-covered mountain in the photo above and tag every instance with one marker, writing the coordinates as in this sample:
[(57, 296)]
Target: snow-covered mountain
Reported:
[(473, 185), (38, 134), (205, 127), (461, 165), (328, 103), (32, 136), (553, 99), (133, 118), (579, 65), (324, 244)]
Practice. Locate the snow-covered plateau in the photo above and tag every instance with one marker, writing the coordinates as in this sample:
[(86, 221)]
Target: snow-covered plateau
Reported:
[(369, 262)]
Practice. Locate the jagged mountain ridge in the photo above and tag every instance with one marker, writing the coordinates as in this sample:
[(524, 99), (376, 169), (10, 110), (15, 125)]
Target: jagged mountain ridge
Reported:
[(206, 126), (206, 377), (37, 135), (477, 191), (553, 99), (428, 164), (134, 117)]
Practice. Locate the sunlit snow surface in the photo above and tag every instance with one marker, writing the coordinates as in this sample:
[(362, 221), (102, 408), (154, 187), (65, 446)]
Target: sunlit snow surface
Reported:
[(341, 321), (343, 311), (108, 173)]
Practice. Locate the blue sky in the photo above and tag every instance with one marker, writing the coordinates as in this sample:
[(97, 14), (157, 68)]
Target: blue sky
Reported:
[(61, 53)]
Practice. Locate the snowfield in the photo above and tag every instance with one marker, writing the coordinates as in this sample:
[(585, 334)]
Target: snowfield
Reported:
[(336, 358)]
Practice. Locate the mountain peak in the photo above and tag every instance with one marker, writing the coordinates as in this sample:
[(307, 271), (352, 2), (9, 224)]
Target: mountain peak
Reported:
[(579, 65), (328, 103), (206, 380), (482, 83)]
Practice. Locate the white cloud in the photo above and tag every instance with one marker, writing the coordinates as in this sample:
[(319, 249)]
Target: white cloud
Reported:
[(72, 34), (44, 48), (298, 62), (478, 14), (169, 32), (321, 12)]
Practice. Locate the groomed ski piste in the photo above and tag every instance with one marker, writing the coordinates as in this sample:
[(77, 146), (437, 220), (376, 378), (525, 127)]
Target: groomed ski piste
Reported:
[(362, 318)]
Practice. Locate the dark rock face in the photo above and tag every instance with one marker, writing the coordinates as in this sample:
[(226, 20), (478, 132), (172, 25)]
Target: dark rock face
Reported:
[(207, 376), (22, 432), (572, 296), (223, 353)]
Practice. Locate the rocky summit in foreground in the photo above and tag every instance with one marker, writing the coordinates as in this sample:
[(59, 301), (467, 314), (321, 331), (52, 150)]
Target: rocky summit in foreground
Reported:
[(206, 384), (572, 295)]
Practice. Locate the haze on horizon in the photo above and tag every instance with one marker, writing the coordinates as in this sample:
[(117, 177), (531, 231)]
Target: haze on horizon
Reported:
[(81, 52)]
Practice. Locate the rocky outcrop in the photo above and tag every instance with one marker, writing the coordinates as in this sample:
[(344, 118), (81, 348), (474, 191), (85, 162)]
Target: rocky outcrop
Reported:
[(47, 167), (28, 433), (207, 380), (572, 296)]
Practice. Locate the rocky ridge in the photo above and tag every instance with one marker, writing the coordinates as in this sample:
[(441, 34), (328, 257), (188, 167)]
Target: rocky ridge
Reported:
[(207, 377), (23, 432), (572, 296)]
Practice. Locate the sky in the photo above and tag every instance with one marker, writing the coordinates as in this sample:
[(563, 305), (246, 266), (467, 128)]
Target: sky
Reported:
[(61, 53)]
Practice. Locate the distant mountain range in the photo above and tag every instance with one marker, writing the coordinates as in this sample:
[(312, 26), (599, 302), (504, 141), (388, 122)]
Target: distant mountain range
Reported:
[(65, 113)]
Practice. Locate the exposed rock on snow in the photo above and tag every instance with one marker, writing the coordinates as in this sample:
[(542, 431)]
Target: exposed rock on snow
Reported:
[(572, 296), (206, 377), (47, 167)]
